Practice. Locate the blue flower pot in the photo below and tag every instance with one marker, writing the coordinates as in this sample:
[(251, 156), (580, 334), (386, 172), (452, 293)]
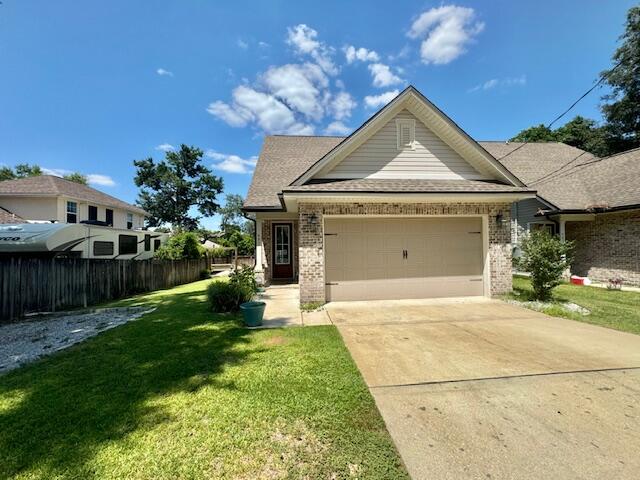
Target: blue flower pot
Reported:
[(253, 313)]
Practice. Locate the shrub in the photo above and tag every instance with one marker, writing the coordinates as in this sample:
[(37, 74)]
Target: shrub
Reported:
[(180, 246), (204, 274), (546, 258), (225, 296), (220, 252), (245, 278)]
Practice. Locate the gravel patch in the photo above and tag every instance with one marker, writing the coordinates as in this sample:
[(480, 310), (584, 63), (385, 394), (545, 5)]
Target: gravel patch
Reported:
[(541, 306), (26, 341)]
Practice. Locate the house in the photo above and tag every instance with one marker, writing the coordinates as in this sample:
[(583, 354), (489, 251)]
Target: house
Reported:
[(47, 198), (594, 202), (407, 206)]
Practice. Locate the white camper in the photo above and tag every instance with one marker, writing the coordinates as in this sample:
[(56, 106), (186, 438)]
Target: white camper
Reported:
[(78, 241)]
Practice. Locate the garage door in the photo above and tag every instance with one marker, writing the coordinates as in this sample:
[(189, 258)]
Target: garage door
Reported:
[(393, 258)]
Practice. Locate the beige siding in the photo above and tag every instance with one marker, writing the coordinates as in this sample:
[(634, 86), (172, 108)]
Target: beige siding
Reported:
[(379, 157), (32, 208)]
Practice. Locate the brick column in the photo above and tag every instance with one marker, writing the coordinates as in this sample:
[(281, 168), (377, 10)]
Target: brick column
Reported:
[(500, 250), (311, 248)]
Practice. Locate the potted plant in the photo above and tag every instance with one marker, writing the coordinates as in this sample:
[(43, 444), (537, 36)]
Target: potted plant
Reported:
[(252, 311)]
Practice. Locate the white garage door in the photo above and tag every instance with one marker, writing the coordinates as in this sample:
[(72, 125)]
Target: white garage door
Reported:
[(393, 258)]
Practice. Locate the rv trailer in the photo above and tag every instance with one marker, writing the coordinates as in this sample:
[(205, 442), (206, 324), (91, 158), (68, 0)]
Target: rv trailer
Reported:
[(78, 241)]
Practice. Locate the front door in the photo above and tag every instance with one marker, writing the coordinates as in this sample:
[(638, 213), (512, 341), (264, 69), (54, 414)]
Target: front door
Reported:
[(282, 251)]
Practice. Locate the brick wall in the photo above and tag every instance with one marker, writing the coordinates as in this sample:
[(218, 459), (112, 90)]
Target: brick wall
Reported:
[(607, 247), (311, 237)]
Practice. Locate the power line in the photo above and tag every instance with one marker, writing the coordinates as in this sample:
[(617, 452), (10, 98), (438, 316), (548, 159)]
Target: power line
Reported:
[(596, 85)]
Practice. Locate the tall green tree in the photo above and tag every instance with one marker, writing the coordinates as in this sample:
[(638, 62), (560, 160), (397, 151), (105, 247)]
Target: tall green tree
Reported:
[(537, 133), (621, 107), (172, 189), (77, 177), (586, 134)]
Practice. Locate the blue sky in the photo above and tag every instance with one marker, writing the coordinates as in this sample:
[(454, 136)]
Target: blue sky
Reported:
[(90, 86)]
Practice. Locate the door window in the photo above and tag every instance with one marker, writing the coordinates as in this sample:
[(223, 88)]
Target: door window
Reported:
[(282, 244)]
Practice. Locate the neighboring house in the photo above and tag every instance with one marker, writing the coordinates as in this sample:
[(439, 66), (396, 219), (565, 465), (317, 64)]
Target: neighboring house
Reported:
[(47, 198), (592, 201), (408, 206)]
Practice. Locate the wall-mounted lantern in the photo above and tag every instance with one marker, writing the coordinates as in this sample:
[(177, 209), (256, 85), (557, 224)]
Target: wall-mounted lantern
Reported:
[(313, 219)]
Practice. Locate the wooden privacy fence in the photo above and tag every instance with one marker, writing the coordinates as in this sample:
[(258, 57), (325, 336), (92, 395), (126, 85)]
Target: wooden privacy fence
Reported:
[(29, 285)]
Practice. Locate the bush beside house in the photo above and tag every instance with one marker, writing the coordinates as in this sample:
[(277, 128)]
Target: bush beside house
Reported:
[(226, 296)]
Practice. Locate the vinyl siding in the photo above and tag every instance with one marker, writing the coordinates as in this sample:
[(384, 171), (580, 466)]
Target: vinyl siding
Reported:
[(379, 157), (522, 214)]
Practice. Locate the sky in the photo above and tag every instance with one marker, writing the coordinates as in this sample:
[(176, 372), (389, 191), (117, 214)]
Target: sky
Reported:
[(91, 86)]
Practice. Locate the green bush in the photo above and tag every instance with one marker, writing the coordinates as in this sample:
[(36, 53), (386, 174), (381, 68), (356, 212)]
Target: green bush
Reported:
[(245, 278), (220, 252), (180, 246), (205, 273), (546, 258), (225, 296)]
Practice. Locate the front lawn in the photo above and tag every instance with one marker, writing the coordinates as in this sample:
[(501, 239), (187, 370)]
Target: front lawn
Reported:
[(609, 308), (184, 393)]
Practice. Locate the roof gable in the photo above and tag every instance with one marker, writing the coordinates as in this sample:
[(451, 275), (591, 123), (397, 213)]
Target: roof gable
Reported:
[(441, 125), (380, 157)]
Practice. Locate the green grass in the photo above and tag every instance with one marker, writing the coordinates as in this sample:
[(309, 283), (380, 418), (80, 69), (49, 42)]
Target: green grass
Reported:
[(609, 308), (184, 393)]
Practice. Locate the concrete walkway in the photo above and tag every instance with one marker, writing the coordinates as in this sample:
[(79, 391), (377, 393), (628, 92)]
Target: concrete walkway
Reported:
[(283, 309), (484, 389)]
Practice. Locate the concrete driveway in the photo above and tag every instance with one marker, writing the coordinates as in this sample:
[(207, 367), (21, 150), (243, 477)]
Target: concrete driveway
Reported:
[(479, 388)]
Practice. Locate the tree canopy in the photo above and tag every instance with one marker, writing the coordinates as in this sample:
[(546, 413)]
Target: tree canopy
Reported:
[(21, 170), (77, 177), (174, 189)]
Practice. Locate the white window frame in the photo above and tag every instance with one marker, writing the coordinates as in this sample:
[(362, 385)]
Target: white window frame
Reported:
[(408, 123), (129, 216), (288, 228), (552, 224), (67, 211)]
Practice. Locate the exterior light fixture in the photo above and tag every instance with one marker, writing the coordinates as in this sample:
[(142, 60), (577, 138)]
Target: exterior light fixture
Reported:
[(313, 219), (500, 218)]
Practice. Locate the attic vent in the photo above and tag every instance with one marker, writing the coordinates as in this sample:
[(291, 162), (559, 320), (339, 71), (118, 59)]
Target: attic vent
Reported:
[(406, 133)]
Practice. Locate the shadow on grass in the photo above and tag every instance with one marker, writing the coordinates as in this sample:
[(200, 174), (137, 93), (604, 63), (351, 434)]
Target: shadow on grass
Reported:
[(56, 413)]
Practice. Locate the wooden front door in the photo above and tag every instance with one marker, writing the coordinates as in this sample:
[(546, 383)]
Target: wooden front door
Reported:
[(282, 250)]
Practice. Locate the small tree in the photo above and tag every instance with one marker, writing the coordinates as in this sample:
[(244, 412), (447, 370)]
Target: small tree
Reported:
[(546, 258), (77, 177), (180, 246)]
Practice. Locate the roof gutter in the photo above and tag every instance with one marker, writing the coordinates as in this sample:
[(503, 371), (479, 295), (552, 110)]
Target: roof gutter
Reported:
[(570, 211)]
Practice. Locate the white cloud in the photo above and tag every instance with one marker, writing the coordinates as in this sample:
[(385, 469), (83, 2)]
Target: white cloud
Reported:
[(342, 104), (232, 163), (103, 180), (92, 178), (447, 30), (232, 116), (165, 147), (304, 41), (374, 101), (500, 82), (263, 44), (337, 128), (362, 54), (383, 76), (298, 86), (242, 44), (164, 73)]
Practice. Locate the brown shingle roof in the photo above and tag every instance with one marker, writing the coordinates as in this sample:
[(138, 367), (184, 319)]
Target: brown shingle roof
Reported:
[(370, 185), (49, 185), (8, 217), (565, 176)]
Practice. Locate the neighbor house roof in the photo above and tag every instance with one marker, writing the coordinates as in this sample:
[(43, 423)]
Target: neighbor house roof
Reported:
[(8, 217), (49, 185), (570, 178)]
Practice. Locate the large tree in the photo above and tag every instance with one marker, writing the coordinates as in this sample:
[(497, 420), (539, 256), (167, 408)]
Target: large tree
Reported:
[(621, 109), (172, 189)]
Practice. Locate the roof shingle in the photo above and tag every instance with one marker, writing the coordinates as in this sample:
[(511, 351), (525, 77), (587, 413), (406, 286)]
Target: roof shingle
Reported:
[(49, 185)]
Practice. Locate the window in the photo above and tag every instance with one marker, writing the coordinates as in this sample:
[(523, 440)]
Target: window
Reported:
[(72, 212), (282, 245), (542, 226), (101, 249), (109, 217), (406, 133), (93, 212), (129, 221), (147, 243), (127, 244), (156, 244)]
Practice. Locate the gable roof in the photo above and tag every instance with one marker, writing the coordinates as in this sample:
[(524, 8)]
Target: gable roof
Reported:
[(50, 185), (8, 217), (417, 104)]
